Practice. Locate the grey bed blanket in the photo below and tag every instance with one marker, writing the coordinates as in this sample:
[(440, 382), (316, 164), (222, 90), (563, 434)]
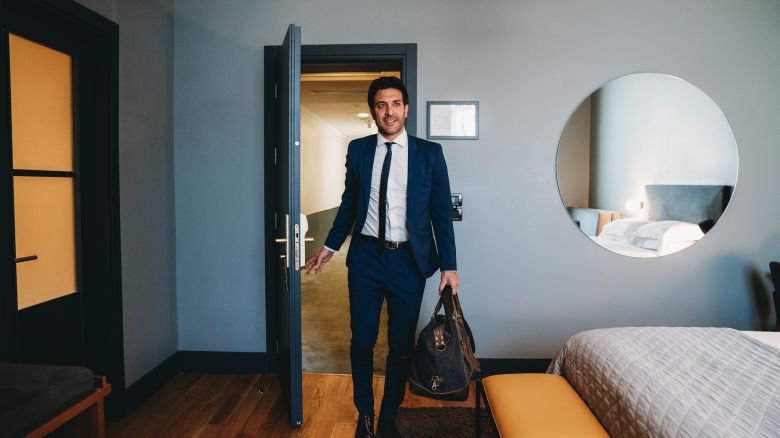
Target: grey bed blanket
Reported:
[(675, 381)]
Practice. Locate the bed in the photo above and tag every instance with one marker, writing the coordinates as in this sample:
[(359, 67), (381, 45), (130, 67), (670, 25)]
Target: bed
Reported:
[(676, 381), (677, 217)]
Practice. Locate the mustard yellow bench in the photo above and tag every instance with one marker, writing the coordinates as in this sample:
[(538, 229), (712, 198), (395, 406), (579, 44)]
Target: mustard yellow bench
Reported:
[(536, 405)]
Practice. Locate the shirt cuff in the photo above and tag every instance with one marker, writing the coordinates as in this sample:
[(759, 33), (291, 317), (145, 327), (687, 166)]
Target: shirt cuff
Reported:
[(329, 249)]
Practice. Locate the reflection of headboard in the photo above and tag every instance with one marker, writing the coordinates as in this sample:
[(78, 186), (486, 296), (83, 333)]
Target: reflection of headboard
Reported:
[(687, 203), (591, 220)]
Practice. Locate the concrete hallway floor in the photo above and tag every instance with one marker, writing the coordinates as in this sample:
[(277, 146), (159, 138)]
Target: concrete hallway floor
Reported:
[(325, 320)]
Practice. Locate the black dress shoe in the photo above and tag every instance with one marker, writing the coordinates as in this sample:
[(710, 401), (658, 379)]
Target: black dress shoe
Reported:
[(365, 427), (389, 429)]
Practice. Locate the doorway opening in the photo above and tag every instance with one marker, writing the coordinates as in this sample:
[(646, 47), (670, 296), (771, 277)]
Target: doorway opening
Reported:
[(334, 111), (282, 89)]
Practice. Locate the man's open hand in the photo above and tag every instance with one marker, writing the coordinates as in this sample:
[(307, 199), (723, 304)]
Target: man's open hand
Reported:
[(318, 260), (451, 278)]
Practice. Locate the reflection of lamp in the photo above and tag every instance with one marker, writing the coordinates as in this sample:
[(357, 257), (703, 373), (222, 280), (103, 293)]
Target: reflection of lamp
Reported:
[(634, 205)]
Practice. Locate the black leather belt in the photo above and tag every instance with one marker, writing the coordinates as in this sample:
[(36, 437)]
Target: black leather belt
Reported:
[(389, 244)]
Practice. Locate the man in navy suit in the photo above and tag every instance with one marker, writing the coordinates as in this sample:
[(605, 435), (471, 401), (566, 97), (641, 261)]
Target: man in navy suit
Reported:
[(391, 253)]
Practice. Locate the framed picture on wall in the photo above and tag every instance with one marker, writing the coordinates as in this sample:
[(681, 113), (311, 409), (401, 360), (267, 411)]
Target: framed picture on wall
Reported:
[(453, 120)]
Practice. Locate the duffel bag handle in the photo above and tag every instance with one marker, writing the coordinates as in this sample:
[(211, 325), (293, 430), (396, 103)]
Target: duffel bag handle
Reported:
[(457, 323), (445, 298), (453, 310)]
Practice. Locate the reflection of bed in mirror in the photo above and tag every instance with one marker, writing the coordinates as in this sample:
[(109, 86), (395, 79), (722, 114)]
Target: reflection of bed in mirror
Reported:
[(677, 217)]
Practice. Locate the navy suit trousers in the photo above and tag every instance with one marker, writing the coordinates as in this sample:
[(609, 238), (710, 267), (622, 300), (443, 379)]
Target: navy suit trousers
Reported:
[(376, 275)]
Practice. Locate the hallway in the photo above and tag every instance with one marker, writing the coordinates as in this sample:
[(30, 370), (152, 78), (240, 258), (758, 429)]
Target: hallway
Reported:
[(325, 320)]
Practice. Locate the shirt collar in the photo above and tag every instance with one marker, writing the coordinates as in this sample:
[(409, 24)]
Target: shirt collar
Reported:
[(402, 140)]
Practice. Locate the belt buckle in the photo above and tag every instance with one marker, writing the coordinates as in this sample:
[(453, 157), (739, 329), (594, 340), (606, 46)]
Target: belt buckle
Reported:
[(391, 244)]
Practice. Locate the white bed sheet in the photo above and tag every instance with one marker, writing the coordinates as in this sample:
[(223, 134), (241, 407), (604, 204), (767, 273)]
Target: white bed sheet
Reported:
[(624, 248), (769, 338)]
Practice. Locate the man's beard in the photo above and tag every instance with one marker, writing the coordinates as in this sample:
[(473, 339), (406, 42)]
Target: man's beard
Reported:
[(399, 126)]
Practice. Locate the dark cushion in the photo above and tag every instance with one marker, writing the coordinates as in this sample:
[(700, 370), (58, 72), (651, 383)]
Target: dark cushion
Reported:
[(32, 394)]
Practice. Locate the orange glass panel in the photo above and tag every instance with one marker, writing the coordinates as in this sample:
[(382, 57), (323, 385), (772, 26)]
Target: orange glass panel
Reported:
[(44, 220), (41, 106)]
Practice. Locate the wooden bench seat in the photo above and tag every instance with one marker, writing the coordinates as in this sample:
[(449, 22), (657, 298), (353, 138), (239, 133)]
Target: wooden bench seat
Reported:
[(83, 419), (538, 405), (36, 400)]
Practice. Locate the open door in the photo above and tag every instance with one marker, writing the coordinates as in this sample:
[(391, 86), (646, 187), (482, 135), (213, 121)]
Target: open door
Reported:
[(289, 234)]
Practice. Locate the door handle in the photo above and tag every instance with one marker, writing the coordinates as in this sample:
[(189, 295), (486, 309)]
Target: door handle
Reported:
[(299, 248), (286, 255), (26, 259)]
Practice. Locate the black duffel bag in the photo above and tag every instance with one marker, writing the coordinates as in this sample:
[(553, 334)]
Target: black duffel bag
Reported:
[(444, 360)]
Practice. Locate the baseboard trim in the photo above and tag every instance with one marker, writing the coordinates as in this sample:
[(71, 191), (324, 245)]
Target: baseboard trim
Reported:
[(492, 366), (219, 362), (149, 383)]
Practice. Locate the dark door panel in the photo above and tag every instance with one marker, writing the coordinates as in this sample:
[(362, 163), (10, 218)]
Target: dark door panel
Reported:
[(288, 222), (50, 332), (65, 306)]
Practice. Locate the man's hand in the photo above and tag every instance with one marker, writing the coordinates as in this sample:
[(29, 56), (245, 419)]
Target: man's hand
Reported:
[(448, 277), (318, 260)]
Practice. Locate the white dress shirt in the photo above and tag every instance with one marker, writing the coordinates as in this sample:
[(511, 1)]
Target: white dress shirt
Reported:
[(396, 190)]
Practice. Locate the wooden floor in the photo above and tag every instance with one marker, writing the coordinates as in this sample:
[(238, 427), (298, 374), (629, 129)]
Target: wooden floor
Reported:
[(251, 405)]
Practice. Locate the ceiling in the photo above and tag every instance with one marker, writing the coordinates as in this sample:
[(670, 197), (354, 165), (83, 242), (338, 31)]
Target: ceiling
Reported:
[(338, 98)]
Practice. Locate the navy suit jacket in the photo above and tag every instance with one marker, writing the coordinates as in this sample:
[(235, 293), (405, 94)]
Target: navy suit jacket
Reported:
[(428, 202)]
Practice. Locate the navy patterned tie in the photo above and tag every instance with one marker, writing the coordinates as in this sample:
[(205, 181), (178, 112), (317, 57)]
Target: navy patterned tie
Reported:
[(383, 194)]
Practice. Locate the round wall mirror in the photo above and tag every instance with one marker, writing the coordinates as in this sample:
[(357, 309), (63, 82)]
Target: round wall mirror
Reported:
[(646, 165)]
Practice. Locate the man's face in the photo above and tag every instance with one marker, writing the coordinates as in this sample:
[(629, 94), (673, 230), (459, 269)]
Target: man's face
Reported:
[(389, 112)]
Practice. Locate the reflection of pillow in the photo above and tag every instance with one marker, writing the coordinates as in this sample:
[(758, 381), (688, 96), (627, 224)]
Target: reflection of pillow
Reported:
[(646, 243), (668, 236), (672, 229), (622, 229)]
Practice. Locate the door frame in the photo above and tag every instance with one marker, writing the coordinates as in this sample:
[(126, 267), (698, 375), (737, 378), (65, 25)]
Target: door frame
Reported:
[(405, 53), (96, 128)]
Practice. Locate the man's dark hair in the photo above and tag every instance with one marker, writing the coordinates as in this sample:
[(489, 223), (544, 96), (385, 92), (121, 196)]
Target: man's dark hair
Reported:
[(384, 82)]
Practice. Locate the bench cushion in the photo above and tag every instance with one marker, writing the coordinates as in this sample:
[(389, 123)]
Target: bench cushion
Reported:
[(539, 405), (31, 394)]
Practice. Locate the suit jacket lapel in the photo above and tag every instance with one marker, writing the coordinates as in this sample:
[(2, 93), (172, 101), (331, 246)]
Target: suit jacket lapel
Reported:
[(411, 178), (368, 168)]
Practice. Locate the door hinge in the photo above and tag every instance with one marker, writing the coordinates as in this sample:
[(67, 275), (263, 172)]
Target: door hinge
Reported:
[(276, 222), (276, 93), (275, 150)]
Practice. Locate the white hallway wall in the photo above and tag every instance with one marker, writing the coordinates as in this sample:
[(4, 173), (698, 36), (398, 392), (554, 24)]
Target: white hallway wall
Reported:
[(323, 148), (530, 278)]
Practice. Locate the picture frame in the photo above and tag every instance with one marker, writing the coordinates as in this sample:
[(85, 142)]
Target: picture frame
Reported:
[(453, 120)]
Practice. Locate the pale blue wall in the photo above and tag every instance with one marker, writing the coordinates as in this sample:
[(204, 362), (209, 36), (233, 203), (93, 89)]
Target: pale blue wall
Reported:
[(219, 187), (530, 278)]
